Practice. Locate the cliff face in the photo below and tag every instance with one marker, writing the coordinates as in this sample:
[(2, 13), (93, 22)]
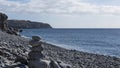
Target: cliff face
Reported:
[(25, 24)]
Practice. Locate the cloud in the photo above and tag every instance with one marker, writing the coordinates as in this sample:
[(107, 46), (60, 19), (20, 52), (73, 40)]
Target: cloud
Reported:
[(58, 6)]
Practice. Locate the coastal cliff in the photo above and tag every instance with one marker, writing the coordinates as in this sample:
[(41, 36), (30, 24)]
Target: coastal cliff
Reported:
[(26, 24)]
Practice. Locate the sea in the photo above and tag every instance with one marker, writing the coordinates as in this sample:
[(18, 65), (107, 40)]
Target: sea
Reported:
[(97, 41)]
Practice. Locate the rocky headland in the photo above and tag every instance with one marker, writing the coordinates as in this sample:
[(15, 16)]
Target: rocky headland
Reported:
[(26, 24), (20, 52)]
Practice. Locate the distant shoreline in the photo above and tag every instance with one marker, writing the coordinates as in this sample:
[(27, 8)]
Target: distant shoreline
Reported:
[(27, 24)]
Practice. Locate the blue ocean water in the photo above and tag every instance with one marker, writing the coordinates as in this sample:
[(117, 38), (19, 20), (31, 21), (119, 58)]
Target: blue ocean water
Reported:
[(100, 41)]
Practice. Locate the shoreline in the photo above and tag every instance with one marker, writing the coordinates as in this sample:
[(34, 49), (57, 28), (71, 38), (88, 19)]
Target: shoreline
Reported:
[(70, 48), (77, 59), (103, 44)]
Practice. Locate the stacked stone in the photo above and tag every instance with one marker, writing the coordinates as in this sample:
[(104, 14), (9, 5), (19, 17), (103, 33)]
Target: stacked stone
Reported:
[(36, 56), (36, 50)]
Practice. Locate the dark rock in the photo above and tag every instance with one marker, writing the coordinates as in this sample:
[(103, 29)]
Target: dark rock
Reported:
[(39, 64), (35, 56), (12, 31), (39, 49), (17, 66), (22, 60), (3, 23), (20, 30), (36, 38), (35, 41)]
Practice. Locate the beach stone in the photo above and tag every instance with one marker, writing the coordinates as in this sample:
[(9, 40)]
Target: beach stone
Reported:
[(35, 49), (16, 66), (54, 64), (36, 38), (21, 60), (13, 31), (63, 65), (39, 64), (35, 56), (35, 41)]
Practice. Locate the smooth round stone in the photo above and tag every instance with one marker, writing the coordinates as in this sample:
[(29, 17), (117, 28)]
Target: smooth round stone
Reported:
[(36, 38)]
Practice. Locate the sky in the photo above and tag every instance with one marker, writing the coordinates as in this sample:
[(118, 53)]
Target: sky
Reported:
[(65, 13)]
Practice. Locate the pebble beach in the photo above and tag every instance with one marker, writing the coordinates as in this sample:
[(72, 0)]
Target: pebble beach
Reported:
[(12, 46)]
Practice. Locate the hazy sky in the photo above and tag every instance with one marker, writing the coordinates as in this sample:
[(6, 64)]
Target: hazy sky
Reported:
[(66, 13)]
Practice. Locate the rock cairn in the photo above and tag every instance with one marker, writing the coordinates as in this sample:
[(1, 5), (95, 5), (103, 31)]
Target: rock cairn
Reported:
[(36, 59)]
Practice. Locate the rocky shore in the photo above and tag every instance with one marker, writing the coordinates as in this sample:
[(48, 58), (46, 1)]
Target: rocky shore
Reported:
[(78, 59), (19, 52), (12, 47)]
